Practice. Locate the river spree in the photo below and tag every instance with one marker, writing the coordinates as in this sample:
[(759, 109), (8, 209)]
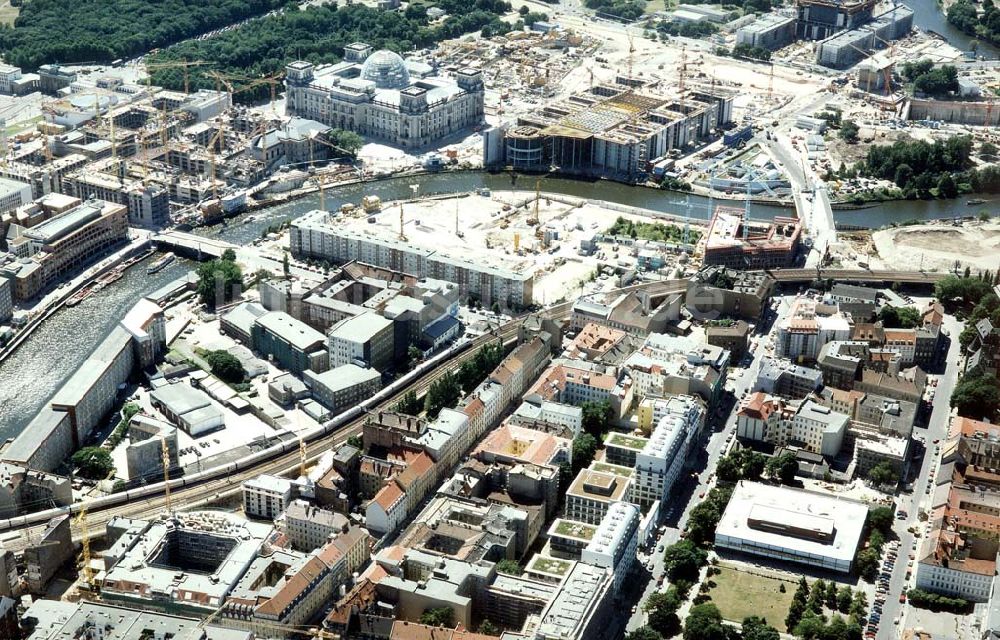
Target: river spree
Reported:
[(30, 376)]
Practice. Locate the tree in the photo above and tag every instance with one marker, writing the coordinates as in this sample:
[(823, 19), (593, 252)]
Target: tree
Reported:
[(683, 560), (866, 564), (356, 442), (756, 628), (94, 463), (487, 628), (977, 396), (523, 10), (285, 268), (643, 633), (438, 617), (987, 149), (816, 596), (443, 392), (880, 519), (229, 255), (830, 599), (596, 416), (413, 356), (704, 622), (882, 474), (783, 467), (218, 281), (664, 622), (584, 448), (903, 175), (899, 317), (669, 600), (347, 142), (844, 599), (727, 469), (409, 404), (849, 131), (226, 366), (946, 186), (510, 567), (798, 606)]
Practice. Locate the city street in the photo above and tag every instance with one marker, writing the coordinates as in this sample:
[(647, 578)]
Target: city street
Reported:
[(694, 488), (937, 429)]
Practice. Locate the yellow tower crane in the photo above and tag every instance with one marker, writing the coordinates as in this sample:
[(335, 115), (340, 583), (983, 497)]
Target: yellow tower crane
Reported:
[(81, 522), (165, 452)]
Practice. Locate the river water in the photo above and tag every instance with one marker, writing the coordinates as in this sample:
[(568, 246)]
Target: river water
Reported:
[(30, 376)]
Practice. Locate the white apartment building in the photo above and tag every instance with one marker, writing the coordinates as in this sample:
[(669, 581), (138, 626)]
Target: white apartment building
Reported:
[(13, 194), (810, 425), (614, 543), (365, 340), (949, 565), (664, 456), (266, 496), (309, 527), (808, 326)]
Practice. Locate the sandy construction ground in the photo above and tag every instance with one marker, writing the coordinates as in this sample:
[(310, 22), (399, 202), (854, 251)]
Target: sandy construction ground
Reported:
[(936, 247)]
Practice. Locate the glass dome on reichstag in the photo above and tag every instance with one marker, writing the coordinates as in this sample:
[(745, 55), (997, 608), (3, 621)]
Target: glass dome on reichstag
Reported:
[(386, 69)]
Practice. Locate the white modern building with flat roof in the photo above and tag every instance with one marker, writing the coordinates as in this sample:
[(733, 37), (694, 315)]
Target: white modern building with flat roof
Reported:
[(614, 543), (664, 455), (266, 496), (792, 525)]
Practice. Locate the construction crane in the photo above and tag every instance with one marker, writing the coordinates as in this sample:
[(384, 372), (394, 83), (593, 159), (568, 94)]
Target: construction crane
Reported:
[(631, 54), (178, 64), (770, 82), (302, 457), (402, 236), (81, 523), (165, 452)]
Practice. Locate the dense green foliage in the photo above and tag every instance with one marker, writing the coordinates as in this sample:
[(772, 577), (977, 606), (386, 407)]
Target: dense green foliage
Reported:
[(438, 617), (226, 366), (219, 281), (705, 516), (963, 15), (474, 371), (644, 633), (756, 628), (917, 166), (128, 411), (741, 464), (319, 34), (899, 317), (661, 608), (849, 131), (977, 395), (936, 601), (68, 31), (937, 82), (94, 463), (674, 184), (596, 417), (704, 622), (510, 567), (654, 231), (783, 467), (409, 404), (686, 29), (348, 142), (625, 10), (683, 559), (754, 53), (880, 519), (443, 392), (584, 448), (882, 474), (968, 291)]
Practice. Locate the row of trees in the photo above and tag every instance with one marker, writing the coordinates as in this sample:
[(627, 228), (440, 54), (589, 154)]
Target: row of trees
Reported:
[(626, 10), (879, 526), (806, 617), (443, 392), (69, 31), (655, 231), (753, 53), (704, 622), (319, 34), (963, 14), (474, 371), (745, 464), (686, 29), (917, 166), (937, 82), (936, 601)]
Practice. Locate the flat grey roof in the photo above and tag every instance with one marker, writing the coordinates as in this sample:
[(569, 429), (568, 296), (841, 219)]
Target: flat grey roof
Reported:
[(297, 333), (360, 328), (64, 224), (344, 376)]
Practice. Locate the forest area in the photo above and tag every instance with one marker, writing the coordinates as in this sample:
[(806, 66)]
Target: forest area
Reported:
[(319, 34), (70, 31)]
